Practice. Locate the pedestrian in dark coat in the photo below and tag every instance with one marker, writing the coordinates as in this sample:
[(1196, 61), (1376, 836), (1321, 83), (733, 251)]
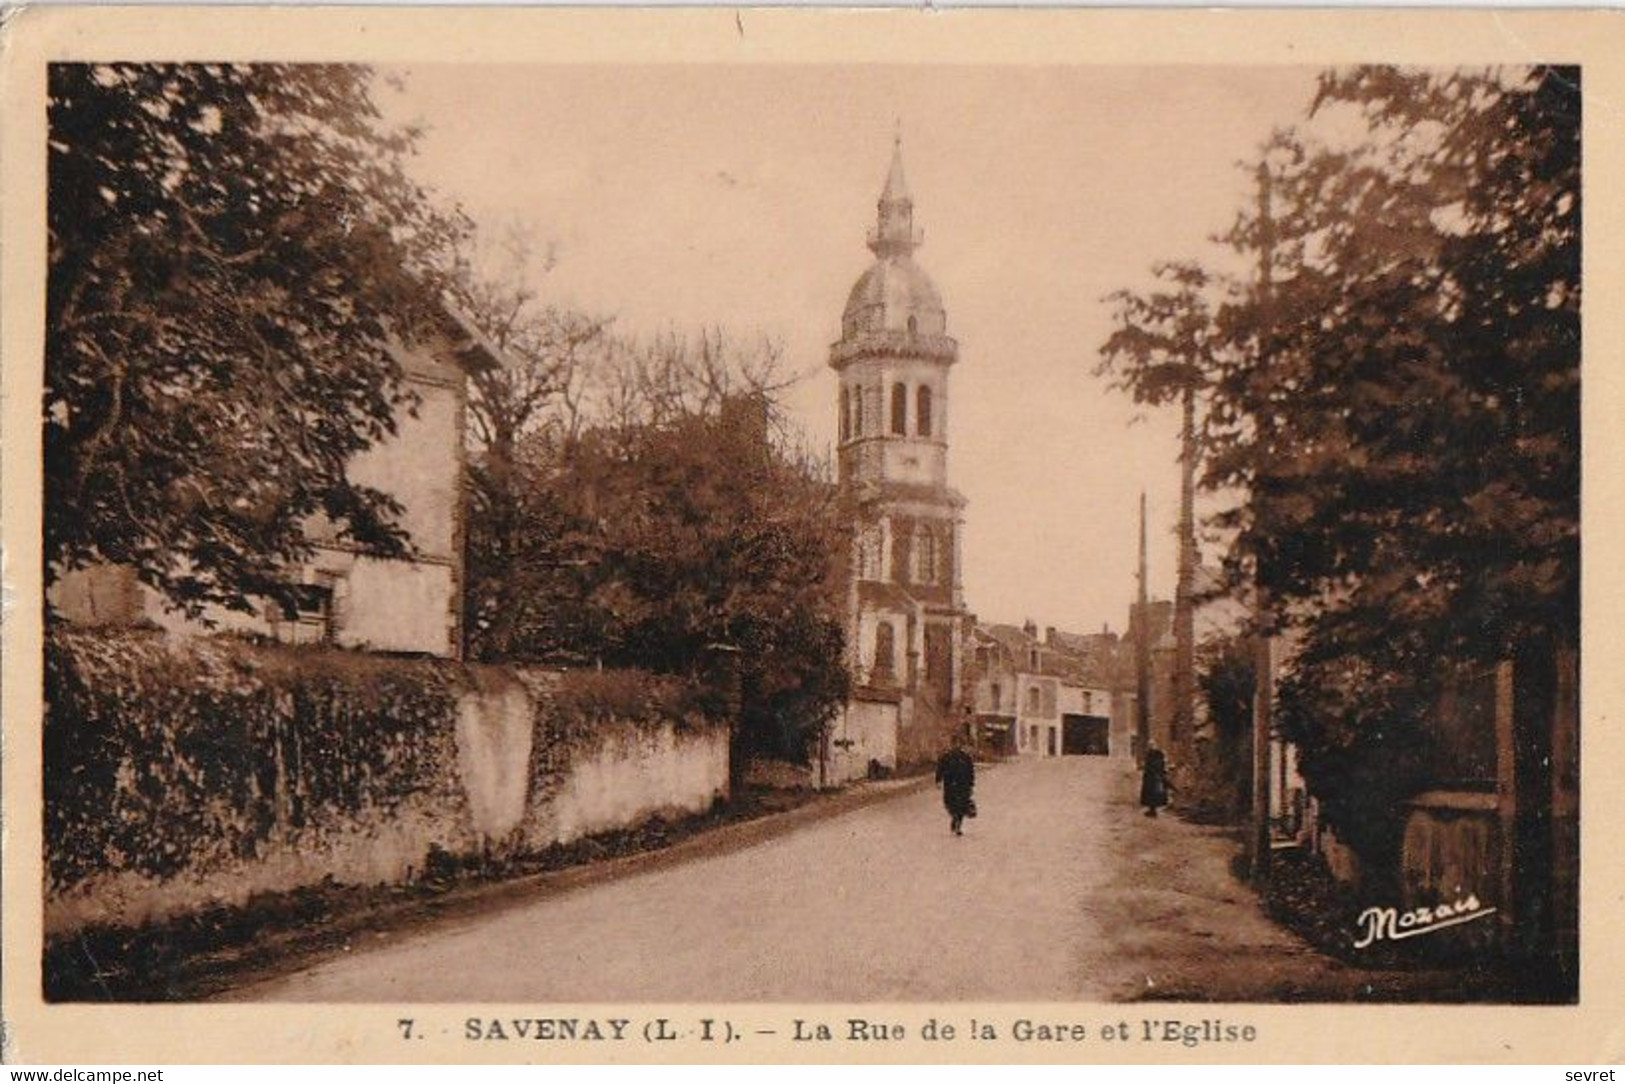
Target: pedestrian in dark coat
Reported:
[(1154, 781), (956, 772)]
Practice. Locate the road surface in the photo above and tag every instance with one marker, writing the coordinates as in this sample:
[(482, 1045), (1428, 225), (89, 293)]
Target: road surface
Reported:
[(1060, 890)]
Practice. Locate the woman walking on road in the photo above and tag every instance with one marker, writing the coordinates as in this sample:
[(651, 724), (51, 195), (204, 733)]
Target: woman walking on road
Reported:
[(1154, 780), (956, 773)]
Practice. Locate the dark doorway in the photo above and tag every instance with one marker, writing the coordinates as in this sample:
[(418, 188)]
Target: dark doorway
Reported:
[(1086, 736)]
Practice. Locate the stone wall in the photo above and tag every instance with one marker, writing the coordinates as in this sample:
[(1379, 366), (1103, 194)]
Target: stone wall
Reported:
[(626, 774), (183, 774)]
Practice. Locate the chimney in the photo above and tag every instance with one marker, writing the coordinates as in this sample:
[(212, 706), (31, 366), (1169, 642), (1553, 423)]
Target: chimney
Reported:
[(1031, 629), (1049, 634)]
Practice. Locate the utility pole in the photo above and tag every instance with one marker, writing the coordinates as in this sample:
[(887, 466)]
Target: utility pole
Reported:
[(1184, 717), (1263, 652), (1142, 655)]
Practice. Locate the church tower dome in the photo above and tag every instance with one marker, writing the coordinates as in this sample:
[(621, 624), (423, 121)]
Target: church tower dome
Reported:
[(894, 294), (893, 356)]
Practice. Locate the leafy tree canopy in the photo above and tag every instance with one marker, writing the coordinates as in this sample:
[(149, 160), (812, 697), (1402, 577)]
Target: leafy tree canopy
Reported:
[(1395, 396), (230, 247), (1163, 344), (654, 513), (1401, 401)]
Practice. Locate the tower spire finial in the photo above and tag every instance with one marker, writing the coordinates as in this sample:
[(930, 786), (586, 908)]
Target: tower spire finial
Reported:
[(894, 232), (896, 190)]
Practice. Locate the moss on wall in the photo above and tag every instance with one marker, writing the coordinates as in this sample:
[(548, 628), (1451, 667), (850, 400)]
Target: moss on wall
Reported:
[(163, 754), (171, 761)]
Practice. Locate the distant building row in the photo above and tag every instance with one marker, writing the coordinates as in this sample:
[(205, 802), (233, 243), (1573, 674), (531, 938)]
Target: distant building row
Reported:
[(1059, 695)]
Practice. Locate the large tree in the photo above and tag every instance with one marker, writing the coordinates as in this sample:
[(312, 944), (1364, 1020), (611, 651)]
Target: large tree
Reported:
[(1402, 408), (231, 247), (1402, 403), (524, 553), (714, 539), (1162, 352), (664, 519), (1394, 394)]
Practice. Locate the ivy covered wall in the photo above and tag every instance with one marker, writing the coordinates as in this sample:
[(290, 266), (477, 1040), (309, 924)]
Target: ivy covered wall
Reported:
[(184, 773)]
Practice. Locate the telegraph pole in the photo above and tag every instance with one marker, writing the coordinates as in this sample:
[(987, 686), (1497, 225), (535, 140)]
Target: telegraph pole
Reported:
[(1142, 655), (1263, 653), (1184, 717)]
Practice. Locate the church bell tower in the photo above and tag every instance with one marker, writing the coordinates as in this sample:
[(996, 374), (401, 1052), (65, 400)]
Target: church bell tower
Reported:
[(893, 360)]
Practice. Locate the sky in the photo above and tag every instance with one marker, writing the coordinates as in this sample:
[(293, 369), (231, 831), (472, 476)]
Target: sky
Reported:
[(686, 196)]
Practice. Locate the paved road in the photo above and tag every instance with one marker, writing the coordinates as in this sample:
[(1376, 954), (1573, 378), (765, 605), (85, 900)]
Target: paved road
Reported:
[(1058, 891)]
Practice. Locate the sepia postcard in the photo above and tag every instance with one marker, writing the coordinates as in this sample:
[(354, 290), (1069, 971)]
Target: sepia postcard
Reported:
[(768, 535)]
